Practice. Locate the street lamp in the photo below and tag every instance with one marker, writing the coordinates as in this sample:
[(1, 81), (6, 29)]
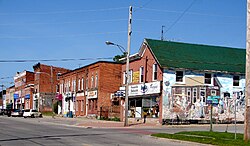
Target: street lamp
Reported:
[(127, 78), (51, 86)]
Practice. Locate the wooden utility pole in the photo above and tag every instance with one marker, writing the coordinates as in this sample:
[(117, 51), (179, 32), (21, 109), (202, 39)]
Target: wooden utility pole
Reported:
[(127, 66), (247, 88)]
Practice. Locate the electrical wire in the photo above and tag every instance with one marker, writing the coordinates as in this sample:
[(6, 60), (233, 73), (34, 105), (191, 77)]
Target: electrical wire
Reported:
[(69, 22), (63, 12), (59, 36), (175, 22), (56, 60)]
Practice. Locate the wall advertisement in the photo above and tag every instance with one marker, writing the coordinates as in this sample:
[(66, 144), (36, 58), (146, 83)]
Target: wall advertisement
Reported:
[(144, 89)]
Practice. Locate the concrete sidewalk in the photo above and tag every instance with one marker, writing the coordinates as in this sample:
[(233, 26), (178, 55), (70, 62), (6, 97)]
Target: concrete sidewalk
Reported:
[(95, 123)]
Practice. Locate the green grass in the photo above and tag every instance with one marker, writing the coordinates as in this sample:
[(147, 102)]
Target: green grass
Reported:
[(206, 137)]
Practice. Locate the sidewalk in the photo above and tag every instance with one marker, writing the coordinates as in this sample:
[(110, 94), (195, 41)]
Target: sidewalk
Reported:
[(94, 123)]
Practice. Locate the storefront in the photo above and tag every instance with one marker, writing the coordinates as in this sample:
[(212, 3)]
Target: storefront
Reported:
[(92, 102), (144, 99)]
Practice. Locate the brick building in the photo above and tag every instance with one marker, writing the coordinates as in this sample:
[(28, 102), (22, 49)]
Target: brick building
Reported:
[(10, 96), (24, 87), (46, 86), (144, 92), (85, 90)]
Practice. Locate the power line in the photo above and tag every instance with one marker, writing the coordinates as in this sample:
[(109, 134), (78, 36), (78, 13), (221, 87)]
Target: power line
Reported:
[(49, 60), (175, 22), (191, 13), (63, 12), (69, 22), (143, 5), (59, 36)]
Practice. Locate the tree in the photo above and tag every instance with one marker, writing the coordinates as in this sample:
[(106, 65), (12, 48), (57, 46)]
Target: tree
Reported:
[(118, 57)]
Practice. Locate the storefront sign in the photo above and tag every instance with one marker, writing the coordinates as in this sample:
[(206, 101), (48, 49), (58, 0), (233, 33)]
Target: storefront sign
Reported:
[(144, 89), (136, 76), (16, 96), (92, 94), (27, 96)]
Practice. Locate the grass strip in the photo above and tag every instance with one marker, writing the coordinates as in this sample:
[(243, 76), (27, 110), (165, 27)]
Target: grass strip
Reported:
[(206, 137)]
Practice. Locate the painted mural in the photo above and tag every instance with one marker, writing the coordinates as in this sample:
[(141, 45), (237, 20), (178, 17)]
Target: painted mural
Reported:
[(190, 95)]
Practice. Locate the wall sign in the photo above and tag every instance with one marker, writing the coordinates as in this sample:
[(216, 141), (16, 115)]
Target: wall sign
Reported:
[(144, 89), (92, 94)]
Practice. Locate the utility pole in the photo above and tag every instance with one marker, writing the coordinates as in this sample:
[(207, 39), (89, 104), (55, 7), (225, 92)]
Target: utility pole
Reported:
[(162, 32), (247, 88), (127, 66)]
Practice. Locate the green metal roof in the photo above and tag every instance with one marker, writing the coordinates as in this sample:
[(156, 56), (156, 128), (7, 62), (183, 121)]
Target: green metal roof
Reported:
[(198, 57)]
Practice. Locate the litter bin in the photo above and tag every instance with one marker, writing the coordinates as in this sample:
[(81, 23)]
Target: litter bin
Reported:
[(70, 114)]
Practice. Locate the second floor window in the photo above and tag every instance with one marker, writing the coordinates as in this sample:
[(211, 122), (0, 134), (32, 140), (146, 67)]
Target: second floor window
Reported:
[(130, 76), (208, 78), (92, 81), (155, 72), (236, 80), (82, 83), (179, 76), (141, 74), (96, 81), (79, 84), (87, 83)]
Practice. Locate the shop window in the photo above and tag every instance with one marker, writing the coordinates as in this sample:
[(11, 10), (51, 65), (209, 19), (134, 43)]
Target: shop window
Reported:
[(236, 80), (208, 78), (141, 74), (179, 76), (203, 94), (154, 72)]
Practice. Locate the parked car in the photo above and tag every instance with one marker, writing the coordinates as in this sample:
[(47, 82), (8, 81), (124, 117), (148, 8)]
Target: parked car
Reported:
[(16, 113), (1, 111), (32, 113)]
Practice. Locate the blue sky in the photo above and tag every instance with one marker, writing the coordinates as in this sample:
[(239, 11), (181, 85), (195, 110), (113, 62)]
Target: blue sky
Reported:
[(58, 29)]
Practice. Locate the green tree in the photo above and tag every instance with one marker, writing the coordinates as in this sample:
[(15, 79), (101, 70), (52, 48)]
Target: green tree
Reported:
[(118, 57)]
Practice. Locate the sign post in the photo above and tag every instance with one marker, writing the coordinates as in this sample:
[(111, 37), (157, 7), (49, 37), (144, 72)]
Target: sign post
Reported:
[(212, 100)]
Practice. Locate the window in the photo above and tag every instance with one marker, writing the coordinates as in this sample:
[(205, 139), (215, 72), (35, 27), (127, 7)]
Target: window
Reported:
[(124, 77), (179, 76), (189, 94), (208, 78), (130, 76), (79, 84), (194, 95), (92, 81), (82, 105), (82, 83), (203, 94), (155, 72), (74, 85), (213, 92), (96, 81), (236, 80), (87, 83), (141, 74)]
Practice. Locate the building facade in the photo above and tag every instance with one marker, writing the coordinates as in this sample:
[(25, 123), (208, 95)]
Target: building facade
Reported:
[(86, 90), (24, 86), (46, 86)]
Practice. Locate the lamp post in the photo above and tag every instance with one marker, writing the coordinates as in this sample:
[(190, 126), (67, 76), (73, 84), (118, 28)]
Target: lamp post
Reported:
[(126, 80), (127, 62), (51, 86)]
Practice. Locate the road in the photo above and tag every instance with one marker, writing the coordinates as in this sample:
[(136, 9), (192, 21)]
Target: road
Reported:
[(47, 132)]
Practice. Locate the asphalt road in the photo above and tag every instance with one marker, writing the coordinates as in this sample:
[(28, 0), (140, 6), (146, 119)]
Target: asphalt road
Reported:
[(49, 132)]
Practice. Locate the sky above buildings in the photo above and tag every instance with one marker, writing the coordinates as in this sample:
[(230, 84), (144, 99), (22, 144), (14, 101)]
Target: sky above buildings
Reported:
[(77, 29)]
